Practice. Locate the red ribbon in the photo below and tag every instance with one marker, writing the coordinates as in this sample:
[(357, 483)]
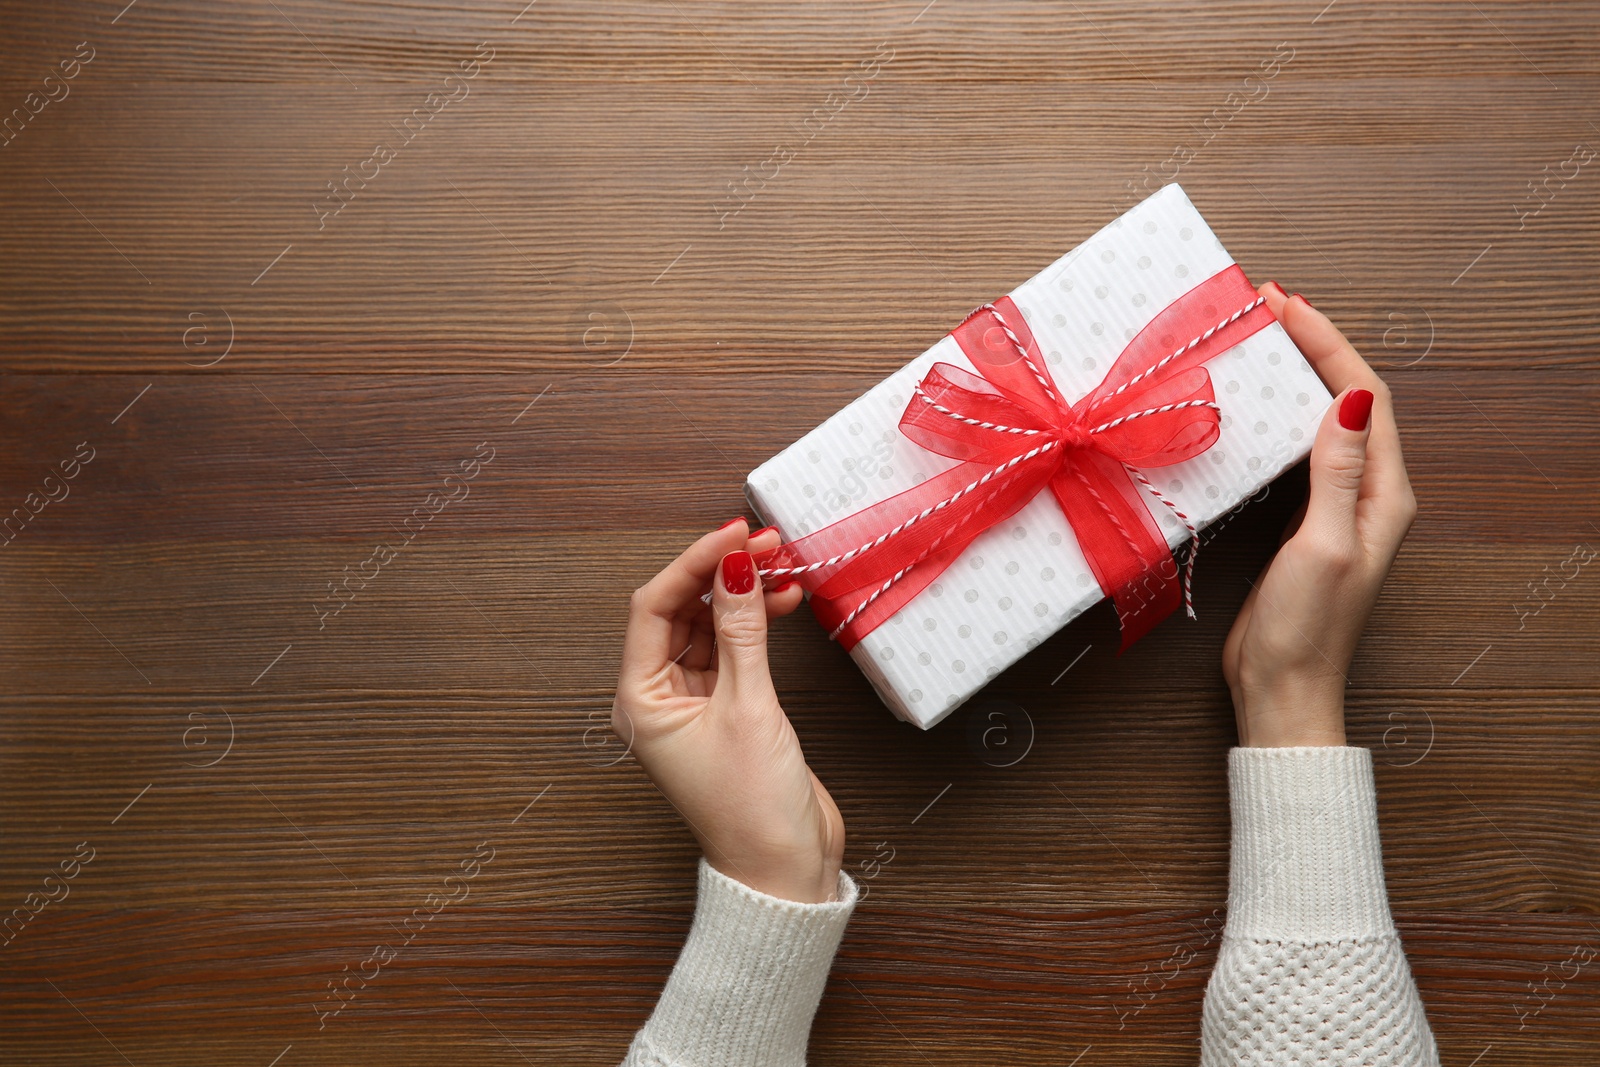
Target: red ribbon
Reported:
[(1015, 436)]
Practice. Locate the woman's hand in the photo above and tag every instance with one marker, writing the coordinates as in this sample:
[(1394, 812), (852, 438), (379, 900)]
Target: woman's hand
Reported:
[(695, 702), (1287, 656)]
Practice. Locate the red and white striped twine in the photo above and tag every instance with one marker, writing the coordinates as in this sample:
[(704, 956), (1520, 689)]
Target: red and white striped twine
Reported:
[(1044, 379), (901, 573), (845, 557), (1257, 302), (1194, 538)]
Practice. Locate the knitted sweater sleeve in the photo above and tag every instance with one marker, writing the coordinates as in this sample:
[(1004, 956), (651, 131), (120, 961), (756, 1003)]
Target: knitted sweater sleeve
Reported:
[(1311, 970), (748, 981)]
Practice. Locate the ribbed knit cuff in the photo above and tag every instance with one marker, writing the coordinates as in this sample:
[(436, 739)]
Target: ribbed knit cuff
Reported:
[(1306, 862), (749, 979)]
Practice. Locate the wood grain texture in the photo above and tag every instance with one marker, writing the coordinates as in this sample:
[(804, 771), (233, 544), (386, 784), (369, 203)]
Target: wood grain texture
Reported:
[(550, 269)]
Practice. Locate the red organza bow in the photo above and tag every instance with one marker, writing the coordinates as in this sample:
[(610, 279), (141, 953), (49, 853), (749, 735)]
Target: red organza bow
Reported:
[(1015, 435)]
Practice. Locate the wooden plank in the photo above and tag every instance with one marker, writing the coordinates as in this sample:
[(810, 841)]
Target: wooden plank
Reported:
[(910, 982)]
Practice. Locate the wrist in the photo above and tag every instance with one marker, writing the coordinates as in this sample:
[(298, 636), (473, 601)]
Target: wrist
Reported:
[(1289, 731), (1292, 712), (801, 879)]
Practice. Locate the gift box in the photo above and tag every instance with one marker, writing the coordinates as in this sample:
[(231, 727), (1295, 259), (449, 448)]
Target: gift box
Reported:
[(1054, 449)]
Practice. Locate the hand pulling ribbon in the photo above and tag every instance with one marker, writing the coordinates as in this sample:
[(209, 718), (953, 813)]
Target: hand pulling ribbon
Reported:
[(1015, 435)]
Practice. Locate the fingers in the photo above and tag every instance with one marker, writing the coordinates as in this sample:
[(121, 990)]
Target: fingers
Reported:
[(739, 611), (696, 653), (1341, 367), (785, 597), (1338, 462), (670, 598), (1334, 359), (780, 601)]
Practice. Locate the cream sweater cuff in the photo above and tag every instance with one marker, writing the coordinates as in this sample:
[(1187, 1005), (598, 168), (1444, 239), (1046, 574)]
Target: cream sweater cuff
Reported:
[(749, 979), (1306, 861)]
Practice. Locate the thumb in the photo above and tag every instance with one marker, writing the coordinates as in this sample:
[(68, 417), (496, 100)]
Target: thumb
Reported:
[(1338, 460), (740, 615)]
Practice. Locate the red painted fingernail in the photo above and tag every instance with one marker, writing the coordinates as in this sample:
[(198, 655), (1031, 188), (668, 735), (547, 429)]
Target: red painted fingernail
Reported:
[(1281, 290), (764, 529), (1309, 304), (730, 522), (1355, 408), (786, 586), (738, 573)]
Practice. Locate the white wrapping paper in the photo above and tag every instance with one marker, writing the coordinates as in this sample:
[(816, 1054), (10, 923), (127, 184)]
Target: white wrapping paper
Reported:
[(1022, 580)]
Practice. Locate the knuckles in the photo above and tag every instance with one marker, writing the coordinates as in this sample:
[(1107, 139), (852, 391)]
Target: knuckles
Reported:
[(1334, 557), (638, 600), (744, 626), (1406, 510), (1343, 467)]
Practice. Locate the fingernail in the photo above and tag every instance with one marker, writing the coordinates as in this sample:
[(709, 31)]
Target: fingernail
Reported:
[(730, 522), (764, 529), (1281, 290), (1309, 304), (1355, 408), (738, 573), (786, 586)]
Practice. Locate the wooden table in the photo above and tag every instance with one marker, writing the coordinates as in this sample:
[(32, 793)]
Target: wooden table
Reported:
[(274, 270)]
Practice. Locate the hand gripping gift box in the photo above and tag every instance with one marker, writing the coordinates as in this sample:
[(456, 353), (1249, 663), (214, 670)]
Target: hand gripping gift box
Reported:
[(1055, 448)]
